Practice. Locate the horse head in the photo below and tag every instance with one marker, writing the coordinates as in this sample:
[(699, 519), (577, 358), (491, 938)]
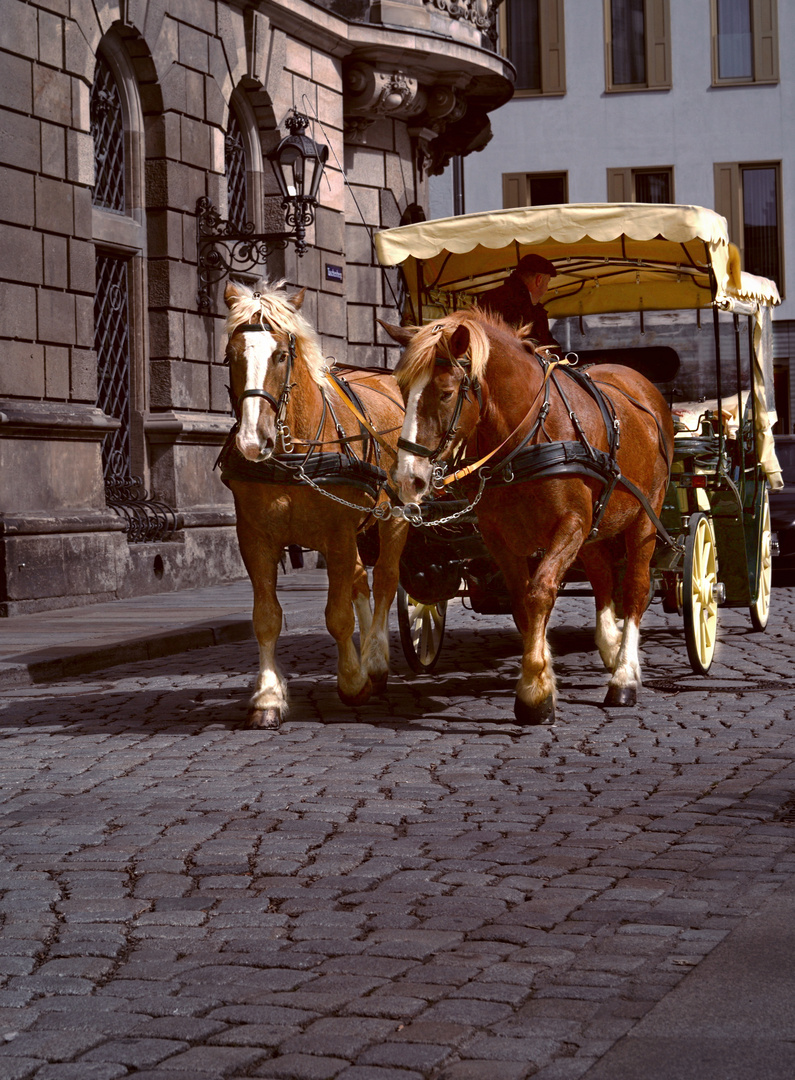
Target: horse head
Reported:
[(438, 376), (266, 334)]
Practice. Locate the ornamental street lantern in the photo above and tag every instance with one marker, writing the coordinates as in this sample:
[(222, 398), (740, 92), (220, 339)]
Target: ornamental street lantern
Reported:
[(298, 163)]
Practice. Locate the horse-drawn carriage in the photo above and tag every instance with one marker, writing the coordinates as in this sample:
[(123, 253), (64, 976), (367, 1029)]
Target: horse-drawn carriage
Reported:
[(653, 270)]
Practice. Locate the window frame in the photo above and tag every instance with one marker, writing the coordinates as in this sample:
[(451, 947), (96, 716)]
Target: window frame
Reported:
[(552, 48), (764, 74), (124, 235), (627, 177), (250, 134), (522, 179), (728, 177), (657, 43)]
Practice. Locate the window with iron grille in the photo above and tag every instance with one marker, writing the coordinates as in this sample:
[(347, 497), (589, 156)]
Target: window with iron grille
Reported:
[(235, 166), (107, 130), (112, 345)]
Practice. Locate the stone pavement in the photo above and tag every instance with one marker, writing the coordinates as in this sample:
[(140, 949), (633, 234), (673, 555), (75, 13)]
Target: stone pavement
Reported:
[(412, 890)]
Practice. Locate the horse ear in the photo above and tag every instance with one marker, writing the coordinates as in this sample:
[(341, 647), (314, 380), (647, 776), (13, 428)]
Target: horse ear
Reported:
[(297, 299), (401, 334), (459, 341), (232, 293)]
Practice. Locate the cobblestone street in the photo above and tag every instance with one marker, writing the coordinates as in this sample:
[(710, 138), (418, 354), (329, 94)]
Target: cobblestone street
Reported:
[(414, 889)]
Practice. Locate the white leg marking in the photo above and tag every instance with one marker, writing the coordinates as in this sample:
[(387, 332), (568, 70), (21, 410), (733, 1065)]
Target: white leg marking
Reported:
[(608, 635), (627, 669)]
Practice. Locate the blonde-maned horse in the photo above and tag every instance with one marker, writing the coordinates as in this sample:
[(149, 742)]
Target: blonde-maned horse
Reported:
[(293, 422), (469, 380)]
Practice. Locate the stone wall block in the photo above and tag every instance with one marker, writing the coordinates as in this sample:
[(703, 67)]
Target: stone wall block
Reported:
[(221, 61), (194, 85), (329, 230), (56, 316), (20, 142), (82, 264), (54, 208), (17, 311), (331, 315), (22, 254), (56, 372), (358, 245), (327, 70), (365, 356), (179, 384), (18, 203), (166, 334), (365, 167), (329, 109), (53, 151), (51, 38), (19, 30), (219, 392), (161, 134), (87, 570), (164, 234), (173, 85), (56, 265), (364, 286), (172, 284), (83, 210), (360, 323), (83, 375), (391, 210), (16, 83), (298, 58), (81, 105), (193, 48), (215, 104), (84, 320), (200, 340), (366, 206), (21, 369), (79, 58), (52, 95), (80, 157)]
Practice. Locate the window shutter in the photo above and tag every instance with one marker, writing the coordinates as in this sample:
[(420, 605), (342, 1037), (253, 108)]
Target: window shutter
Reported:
[(727, 198), (765, 29), (619, 185), (514, 190), (553, 52), (658, 44)]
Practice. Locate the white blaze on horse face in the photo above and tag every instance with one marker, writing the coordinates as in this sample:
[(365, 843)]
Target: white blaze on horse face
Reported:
[(412, 473), (256, 437)]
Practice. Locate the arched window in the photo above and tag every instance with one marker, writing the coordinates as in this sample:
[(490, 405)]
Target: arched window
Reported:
[(119, 236), (236, 172)]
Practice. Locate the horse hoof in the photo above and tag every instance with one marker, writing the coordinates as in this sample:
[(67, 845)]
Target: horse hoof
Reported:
[(621, 696), (352, 700), (541, 715), (264, 719), (379, 684)]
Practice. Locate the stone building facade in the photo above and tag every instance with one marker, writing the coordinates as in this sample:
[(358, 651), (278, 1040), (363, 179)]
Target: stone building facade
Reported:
[(118, 116)]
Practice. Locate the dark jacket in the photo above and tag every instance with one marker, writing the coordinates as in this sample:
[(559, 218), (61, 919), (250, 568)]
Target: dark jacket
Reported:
[(513, 301)]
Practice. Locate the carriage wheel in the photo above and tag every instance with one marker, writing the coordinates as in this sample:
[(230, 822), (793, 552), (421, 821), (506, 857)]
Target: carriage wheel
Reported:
[(421, 631), (700, 593), (760, 606)]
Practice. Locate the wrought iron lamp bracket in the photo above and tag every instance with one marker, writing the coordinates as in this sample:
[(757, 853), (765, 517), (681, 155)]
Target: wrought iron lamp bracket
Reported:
[(223, 249)]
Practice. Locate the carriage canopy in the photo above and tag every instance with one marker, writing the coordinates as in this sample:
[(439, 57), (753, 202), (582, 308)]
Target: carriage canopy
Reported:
[(610, 257)]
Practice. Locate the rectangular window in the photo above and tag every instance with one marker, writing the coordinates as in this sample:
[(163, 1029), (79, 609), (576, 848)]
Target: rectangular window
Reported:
[(638, 44), (744, 41), (531, 32), (654, 185), (534, 189), (749, 197)]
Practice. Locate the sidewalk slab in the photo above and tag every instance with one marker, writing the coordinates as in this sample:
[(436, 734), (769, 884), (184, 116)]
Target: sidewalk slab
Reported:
[(731, 1018), (52, 645)]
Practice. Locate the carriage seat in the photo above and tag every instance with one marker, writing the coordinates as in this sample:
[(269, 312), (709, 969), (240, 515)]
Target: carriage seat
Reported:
[(687, 415), (658, 363)]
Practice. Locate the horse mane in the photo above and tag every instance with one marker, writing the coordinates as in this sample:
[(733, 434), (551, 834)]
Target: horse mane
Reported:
[(422, 351), (270, 302)]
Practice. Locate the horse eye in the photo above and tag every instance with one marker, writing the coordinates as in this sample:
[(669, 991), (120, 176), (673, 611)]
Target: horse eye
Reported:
[(445, 395)]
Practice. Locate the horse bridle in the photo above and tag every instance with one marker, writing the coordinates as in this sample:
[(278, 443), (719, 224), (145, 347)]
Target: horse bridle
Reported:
[(279, 406), (467, 383)]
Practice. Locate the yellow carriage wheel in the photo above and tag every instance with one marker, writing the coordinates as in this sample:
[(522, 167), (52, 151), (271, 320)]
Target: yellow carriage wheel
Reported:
[(421, 629), (760, 606), (700, 593)]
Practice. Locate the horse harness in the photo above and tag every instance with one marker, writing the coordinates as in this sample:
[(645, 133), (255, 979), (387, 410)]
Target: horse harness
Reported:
[(314, 466), (531, 461)]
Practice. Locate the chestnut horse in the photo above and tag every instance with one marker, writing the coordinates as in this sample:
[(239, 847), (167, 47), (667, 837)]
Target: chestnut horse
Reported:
[(469, 380), (293, 416)]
